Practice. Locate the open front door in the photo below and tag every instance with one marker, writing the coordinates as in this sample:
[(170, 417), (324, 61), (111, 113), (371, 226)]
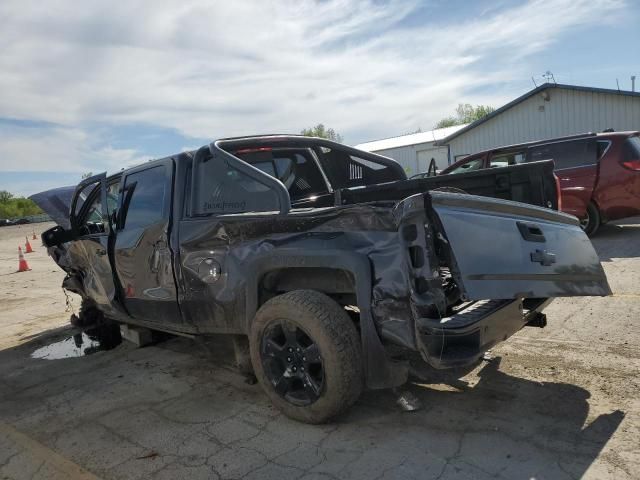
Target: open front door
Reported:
[(93, 202)]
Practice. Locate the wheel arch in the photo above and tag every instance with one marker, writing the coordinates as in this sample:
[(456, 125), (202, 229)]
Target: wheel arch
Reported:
[(335, 282), (380, 371)]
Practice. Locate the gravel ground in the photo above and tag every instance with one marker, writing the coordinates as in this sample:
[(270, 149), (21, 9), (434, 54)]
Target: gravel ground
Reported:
[(560, 402)]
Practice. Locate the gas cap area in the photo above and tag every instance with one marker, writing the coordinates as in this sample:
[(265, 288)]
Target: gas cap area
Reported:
[(209, 270)]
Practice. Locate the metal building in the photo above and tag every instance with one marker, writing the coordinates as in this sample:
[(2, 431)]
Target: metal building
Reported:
[(548, 111), (415, 151)]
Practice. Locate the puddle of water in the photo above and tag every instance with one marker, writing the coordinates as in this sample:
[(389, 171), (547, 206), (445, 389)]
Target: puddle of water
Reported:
[(91, 340)]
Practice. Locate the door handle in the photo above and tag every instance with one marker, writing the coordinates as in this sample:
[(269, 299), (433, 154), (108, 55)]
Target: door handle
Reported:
[(155, 261), (531, 232)]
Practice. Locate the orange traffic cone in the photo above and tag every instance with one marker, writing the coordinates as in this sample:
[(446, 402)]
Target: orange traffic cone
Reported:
[(34, 235), (27, 246), (23, 266)]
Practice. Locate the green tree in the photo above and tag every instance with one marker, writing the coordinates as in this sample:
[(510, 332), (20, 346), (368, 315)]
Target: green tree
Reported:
[(321, 131), (465, 113), (5, 196), (12, 207)]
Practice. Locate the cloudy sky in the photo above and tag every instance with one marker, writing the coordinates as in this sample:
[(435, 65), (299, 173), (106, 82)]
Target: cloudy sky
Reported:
[(93, 86)]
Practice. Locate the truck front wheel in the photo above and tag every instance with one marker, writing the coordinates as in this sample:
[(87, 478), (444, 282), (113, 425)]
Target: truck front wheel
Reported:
[(306, 354)]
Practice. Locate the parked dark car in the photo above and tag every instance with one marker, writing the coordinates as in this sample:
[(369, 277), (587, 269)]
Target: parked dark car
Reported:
[(599, 174), (5, 222), (327, 265)]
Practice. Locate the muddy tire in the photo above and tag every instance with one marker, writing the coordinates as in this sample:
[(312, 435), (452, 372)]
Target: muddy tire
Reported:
[(591, 222), (306, 355)]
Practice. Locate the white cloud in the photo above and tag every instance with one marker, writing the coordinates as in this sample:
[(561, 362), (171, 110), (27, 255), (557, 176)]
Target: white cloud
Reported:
[(214, 69), (60, 149)]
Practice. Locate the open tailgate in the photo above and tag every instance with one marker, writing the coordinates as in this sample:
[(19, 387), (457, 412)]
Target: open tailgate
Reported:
[(503, 249)]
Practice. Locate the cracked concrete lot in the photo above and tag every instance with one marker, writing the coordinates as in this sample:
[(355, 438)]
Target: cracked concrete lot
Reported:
[(554, 403)]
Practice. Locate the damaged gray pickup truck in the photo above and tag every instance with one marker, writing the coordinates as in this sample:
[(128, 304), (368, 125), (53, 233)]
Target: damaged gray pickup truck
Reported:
[(326, 263)]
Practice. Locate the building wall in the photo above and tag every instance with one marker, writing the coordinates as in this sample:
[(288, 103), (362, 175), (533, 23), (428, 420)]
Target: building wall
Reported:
[(415, 158), (567, 112)]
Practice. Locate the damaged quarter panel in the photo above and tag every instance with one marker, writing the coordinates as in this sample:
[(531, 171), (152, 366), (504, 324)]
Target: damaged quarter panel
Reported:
[(233, 264), (245, 248)]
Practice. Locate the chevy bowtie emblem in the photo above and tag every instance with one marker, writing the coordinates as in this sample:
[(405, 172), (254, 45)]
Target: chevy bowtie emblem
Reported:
[(543, 257)]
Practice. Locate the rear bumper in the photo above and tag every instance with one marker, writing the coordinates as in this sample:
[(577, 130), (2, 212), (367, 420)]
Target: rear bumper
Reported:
[(461, 339)]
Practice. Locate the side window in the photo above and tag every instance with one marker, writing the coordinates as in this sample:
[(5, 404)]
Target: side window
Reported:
[(631, 149), (146, 193), (345, 170), (570, 154), (221, 189), (294, 168), (506, 159), (470, 166), (92, 220)]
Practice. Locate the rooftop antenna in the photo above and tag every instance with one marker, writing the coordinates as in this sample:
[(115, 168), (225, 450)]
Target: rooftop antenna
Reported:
[(618, 83), (534, 82), (548, 76), (633, 83)]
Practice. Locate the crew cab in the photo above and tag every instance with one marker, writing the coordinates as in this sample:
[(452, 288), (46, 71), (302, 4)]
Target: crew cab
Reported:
[(325, 262), (599, 174)]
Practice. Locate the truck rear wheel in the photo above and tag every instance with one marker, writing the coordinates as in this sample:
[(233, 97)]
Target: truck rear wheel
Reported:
[(591, 222), (306, 355)]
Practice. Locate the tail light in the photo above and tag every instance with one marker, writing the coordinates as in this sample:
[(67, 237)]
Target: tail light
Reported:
[(558, 191), (632, 165)]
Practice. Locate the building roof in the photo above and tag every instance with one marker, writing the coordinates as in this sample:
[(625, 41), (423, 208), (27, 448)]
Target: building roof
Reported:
[(411, 139), (527, 95)]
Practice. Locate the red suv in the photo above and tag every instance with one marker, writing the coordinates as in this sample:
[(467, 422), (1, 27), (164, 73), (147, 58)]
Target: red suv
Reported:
[(599, 174)]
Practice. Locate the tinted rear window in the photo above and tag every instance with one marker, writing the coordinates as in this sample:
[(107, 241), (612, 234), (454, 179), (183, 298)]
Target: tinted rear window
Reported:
[(296, 169), (571, 154), (631, 149), (221, 189)]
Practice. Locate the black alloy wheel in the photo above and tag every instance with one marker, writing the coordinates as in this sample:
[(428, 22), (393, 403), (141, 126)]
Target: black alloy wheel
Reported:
[(306, 354), (292, 363)]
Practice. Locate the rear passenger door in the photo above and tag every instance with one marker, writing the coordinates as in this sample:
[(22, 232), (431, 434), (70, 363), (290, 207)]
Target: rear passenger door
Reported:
[(576, 166), (142, 255)]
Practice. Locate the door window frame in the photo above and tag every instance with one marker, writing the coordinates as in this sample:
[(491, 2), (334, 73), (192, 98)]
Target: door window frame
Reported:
[(82, 215), (100, 179), (168, 165)]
